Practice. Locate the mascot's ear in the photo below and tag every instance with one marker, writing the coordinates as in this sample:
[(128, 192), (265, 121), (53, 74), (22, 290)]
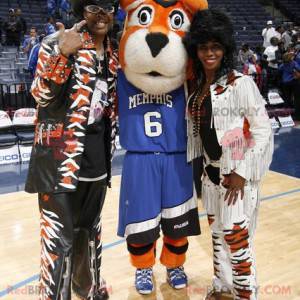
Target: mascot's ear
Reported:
[(193, 5), (130, 4)]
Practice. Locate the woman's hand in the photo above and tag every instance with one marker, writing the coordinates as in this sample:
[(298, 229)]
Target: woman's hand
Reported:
[(70, 40), (235, 185)]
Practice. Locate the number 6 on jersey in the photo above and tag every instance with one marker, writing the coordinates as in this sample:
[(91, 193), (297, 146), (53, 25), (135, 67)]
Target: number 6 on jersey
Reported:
[(152, 128)]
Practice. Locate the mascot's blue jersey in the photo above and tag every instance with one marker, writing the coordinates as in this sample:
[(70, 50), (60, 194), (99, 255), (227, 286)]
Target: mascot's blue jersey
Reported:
[(151, 123)]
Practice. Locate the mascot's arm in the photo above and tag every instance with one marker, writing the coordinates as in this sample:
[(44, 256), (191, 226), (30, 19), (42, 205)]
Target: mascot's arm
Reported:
[(53, 70)]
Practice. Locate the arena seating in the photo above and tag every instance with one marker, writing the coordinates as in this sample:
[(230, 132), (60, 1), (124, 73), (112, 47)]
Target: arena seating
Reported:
[(290, 8), (16, 136), (23, 123), (249, 18), (33, 11), (14, 81)]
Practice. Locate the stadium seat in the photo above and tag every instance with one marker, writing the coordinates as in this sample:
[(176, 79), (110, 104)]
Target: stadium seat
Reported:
[(9, 152), (23, 122)]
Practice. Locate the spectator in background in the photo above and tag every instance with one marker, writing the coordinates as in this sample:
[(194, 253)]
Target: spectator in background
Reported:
[(268, 33), (253, 69), (120, 17), (258, 51), (289, 83), (58, 8), (50, 26), (280, 52), (286, 38), (295, 39), (33, 58), (245, 54), (51, 7), (65, 5), (64, 9), (272, 70), (18, 13), (12, 28), (31, 41), (279, 31)]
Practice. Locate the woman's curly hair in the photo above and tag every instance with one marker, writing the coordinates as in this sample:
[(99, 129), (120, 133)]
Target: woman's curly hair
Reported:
[(211, 25)]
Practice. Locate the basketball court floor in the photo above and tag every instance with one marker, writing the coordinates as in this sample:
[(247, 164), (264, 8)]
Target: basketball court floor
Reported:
[(277, 240)]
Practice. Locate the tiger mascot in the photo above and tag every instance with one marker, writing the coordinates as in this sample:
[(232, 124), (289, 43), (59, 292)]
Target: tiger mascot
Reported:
[(157, 183)]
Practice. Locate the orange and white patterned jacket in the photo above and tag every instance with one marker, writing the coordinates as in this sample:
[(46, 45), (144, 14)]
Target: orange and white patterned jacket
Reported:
[(63, 88)]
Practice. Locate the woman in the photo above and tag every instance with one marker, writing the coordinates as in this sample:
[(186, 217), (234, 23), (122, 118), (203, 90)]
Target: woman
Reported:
[(228, 124), (70, 168)]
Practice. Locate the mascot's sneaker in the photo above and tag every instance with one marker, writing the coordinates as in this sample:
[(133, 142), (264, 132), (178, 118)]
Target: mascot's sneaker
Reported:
[(177, 278), (144, 281)]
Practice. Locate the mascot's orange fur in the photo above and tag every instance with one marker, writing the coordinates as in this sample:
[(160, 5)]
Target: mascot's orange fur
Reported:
[(152, 55)]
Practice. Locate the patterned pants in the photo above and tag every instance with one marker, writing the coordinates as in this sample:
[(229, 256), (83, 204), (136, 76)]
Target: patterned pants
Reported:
[(232, 230), (71, 242)]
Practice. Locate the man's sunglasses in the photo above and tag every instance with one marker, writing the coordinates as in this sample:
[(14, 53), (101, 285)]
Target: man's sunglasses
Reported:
[(95, 9)]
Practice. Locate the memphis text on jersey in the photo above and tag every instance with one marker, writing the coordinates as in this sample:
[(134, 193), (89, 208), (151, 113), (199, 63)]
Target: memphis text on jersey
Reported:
[(143, 98)]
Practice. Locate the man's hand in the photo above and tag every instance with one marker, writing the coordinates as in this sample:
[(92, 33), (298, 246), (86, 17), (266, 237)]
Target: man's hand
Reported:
[(234, 184), (70, 40), (296, 74)]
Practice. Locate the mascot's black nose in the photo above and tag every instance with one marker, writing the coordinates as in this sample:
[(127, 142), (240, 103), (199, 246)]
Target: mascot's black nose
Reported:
[(156, 41)]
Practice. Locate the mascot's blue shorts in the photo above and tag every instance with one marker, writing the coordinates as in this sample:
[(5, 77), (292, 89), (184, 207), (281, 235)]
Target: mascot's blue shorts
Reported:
[(157, 191)]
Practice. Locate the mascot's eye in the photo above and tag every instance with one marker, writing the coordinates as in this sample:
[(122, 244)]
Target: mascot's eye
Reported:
[(176, 19), (144, 15)]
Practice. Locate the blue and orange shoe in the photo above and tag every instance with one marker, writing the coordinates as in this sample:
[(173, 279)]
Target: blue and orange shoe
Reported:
[(144, 281), (177, 278)]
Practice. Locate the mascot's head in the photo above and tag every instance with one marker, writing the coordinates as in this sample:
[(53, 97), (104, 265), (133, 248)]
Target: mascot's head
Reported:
[(152, 54)]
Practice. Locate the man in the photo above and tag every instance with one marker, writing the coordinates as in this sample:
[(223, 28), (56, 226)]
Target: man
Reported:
[(18, 13), (286, 38), (70, 165), (64, 8), (33, 57), (268, 33), (51, 7), (31, 41), (278, 32), (50, 26), (271, 56), (12, 28)]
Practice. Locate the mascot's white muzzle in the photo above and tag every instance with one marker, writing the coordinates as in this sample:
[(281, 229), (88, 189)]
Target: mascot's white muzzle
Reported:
[(155, 62)]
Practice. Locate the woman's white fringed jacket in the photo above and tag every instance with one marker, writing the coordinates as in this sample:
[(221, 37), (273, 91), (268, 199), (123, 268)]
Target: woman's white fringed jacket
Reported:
[(242, 127)]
